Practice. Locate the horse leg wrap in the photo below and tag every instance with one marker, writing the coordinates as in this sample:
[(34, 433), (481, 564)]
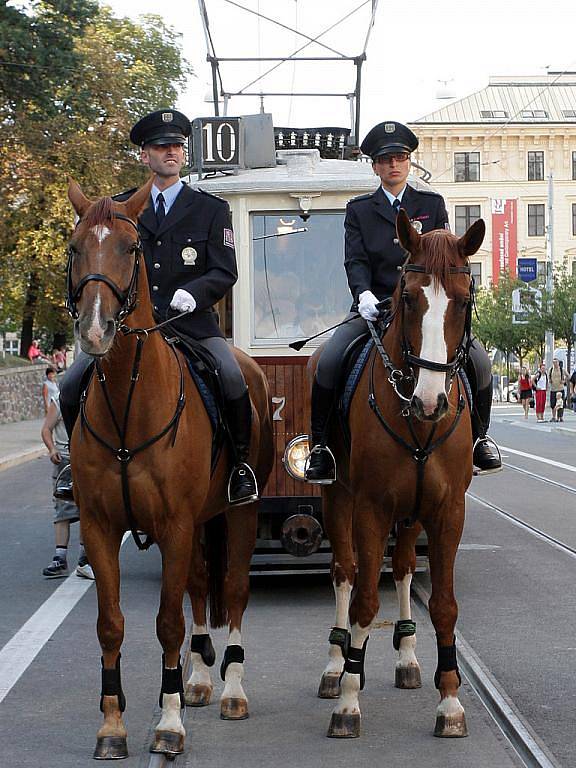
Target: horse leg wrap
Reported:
[(447, 662), (354, 663), (112, 685), (202, 644), (172, 682), (403, 628), (233, 653), (341, 638)]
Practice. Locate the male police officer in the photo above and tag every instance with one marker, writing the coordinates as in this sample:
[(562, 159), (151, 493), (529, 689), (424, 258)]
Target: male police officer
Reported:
[(188, 246), (372, 260)]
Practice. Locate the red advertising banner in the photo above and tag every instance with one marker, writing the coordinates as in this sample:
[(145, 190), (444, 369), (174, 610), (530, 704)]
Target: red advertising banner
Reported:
[(504, 238)]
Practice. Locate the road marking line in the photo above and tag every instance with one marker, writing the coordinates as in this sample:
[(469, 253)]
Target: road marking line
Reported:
[(21, 650), (559, 464)]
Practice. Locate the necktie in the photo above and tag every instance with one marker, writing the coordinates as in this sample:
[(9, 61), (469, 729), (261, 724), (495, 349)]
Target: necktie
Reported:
[(396, 206), (160, 210)]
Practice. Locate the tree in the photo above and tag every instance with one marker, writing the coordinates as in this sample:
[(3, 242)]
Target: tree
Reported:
[(117, 71), (563, 306)]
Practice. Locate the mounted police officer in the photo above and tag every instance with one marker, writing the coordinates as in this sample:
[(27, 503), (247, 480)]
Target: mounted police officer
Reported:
[(188, 245), (373, 256)]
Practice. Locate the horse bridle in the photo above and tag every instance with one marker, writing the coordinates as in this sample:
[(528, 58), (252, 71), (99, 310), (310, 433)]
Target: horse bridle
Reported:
[(127, 298)]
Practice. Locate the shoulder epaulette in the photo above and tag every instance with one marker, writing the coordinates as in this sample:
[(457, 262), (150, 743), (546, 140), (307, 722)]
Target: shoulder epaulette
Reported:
[(426, 192), (209, 194), (361, 197), (120, 197)]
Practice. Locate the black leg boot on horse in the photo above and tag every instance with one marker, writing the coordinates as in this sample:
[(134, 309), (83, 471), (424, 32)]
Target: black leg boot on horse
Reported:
[(321, 466), (242, 485), (486, 456)]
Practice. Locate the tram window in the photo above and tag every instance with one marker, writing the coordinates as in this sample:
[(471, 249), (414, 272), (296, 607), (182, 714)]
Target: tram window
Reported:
[(299, 282)]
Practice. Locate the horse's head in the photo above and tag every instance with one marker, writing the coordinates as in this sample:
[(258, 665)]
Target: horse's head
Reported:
[(433, 303), (103, 265)]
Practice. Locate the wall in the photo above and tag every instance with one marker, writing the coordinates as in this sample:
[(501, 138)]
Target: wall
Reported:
[(21, 393)]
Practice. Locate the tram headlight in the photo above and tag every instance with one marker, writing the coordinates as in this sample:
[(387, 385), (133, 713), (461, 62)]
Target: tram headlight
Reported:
[(295, 456)]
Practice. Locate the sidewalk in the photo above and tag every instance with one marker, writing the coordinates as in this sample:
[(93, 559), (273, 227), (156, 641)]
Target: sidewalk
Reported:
[(20, 441), (512, 413)]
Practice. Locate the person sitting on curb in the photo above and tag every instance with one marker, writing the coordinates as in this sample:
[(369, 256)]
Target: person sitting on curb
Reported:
[(65, 512)]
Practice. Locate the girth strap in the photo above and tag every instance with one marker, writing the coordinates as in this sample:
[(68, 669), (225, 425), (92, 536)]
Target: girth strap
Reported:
[(172, 682), (112, 685), (354, 663), (233, 653), (403, 628)]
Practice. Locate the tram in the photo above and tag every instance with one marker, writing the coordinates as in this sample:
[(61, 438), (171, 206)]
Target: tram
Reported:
[(287, 195)]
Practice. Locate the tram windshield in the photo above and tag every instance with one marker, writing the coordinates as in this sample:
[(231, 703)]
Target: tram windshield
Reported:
[(299, 285)]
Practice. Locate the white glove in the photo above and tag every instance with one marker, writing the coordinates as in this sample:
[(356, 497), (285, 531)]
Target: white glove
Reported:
[(182, 301), (367, 306)]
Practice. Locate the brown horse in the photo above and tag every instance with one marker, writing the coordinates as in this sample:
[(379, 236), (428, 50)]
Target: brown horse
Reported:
[(141, 461), (410, 458)]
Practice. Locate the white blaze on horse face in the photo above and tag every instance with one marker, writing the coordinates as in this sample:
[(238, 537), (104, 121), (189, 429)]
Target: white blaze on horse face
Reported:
[(432, 383), (100, 232), (96, 330)]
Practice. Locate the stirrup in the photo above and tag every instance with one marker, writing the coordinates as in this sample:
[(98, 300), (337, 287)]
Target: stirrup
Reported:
[(63, 486), (320, 449), (243, 470), (476, 471)]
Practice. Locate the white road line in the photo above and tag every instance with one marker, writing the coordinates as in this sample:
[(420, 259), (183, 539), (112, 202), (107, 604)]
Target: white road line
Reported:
[(21, 650), (541, 459)]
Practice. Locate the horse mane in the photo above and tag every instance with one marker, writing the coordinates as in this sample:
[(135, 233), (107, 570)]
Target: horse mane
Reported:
[(440, 253), (99, 212)]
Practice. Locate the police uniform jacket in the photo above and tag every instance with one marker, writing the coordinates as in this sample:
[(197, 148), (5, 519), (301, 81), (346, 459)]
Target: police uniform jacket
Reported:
[(192, 249), (372, 251)]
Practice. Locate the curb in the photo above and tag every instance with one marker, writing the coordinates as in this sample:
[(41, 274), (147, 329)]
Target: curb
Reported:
[(20, 458)]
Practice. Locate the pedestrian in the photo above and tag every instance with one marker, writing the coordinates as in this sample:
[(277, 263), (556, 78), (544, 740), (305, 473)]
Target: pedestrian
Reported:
[(540, 385), (556, 381), (188, 245), (35, 354), (373, 259), (59, 358), (65, 512), (525, 390), (572, 389), (50, 388)]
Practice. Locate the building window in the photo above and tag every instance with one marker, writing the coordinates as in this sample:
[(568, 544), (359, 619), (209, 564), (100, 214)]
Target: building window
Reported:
[(541, 272), (573, 166), (493, 113), (535, 166), (467, 166), (465, 216), (536, 219), (574, 218), (534, 113), (570, 113), (476, 271), (574, 269)]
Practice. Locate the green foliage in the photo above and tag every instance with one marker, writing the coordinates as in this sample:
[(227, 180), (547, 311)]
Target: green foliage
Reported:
[(86, 78)]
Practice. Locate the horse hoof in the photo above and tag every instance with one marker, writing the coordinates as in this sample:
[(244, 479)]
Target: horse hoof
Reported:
[(329, 687), (111, 748), (168, 743), (408, 677), (451, 727), (234, 709), (198, 695), (344, 726)]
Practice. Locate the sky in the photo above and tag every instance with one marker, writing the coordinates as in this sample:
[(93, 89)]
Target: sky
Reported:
[(415, 49)]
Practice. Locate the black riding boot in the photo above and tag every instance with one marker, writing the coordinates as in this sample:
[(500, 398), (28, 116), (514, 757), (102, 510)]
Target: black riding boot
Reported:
[(320, 467), (242, 484), (486, 456)]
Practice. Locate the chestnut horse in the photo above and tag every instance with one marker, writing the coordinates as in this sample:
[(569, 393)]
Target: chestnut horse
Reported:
[(409, 464), (141, 461)]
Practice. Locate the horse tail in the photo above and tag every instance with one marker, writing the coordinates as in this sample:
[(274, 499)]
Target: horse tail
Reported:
[(216, 553)]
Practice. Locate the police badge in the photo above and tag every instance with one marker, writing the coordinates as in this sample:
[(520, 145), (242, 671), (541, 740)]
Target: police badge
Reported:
[(417, 225), (189, 256)]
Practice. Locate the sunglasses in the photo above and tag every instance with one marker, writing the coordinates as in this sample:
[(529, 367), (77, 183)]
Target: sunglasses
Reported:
[(399, 157)]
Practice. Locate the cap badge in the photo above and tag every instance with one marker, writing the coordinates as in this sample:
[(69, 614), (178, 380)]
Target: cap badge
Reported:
[(167, 117), (389, 127), (189, 256)]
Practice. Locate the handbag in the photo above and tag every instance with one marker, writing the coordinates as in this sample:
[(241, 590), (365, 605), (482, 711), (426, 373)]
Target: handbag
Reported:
[(531, 402)]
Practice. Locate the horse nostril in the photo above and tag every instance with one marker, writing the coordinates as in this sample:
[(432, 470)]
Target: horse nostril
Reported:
[(110, 327)]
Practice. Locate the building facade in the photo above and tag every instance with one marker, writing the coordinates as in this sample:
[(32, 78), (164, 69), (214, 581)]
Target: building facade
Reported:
[(490, 156)]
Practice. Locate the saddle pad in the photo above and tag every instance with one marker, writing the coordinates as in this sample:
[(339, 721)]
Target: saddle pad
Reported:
[(206, 394), (353, 378)]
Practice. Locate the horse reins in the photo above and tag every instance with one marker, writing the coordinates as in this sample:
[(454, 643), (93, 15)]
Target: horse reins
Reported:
[(127, 300), (420, 451)]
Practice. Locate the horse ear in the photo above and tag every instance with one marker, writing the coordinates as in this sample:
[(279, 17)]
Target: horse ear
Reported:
[(472, 239), (407, 235), (79, 201), (139, 200)]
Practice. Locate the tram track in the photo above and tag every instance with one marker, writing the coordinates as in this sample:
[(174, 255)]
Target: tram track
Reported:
[(527, 745)]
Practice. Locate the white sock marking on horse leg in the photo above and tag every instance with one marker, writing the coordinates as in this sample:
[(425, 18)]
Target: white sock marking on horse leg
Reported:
[(200, 672), (234, 673), (432, 383), (171, 719), (335, 658), (350, 685), (407, 652), (450, 707)]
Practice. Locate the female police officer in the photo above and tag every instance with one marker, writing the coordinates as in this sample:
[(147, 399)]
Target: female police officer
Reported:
[(372, 258)]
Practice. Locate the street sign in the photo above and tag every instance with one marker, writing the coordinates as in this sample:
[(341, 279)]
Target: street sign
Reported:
[(527, 269)]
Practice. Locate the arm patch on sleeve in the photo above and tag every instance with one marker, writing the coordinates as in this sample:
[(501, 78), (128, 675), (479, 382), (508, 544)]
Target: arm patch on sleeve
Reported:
[(229, 238)]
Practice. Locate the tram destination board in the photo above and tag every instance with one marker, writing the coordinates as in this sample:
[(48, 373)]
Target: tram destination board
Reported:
[(216, 143)]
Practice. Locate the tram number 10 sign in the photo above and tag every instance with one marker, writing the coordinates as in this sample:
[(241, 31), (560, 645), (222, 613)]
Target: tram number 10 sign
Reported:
[(216, 143)]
